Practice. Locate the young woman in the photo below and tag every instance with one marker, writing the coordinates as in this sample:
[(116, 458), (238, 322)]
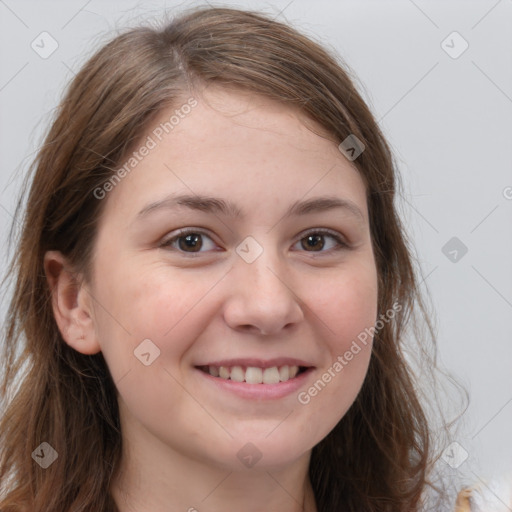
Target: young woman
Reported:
[(212, 288)]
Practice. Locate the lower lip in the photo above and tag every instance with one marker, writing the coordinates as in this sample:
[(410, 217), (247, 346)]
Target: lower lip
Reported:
[(259, 391)]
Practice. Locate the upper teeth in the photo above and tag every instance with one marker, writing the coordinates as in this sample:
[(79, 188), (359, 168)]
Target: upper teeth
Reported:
[(254, 375)]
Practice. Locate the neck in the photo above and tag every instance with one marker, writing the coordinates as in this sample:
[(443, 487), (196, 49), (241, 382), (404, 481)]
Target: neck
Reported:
[(156, 478)]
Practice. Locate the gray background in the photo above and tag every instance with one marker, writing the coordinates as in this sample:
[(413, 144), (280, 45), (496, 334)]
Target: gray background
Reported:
[(448, 120)]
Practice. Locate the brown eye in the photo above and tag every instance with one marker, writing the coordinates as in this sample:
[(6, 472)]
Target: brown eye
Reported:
[(187, 241), (193, 242), (314, 241)]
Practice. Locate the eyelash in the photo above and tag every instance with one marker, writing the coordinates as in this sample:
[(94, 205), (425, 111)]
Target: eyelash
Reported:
[(166, 244)]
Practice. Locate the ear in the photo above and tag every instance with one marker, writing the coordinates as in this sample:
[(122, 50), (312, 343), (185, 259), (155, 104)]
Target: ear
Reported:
[(72, 304)]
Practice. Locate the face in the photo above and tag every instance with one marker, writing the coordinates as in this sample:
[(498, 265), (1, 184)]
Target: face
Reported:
[(271, 289)]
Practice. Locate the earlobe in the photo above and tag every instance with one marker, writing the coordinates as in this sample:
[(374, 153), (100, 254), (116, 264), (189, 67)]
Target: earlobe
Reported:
[(71, 304)]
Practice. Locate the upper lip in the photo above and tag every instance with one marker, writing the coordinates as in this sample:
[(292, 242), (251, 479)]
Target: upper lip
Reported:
[(258, 362)]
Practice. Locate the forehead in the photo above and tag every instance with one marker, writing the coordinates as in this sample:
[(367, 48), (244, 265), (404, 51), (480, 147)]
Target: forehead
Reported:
[(230, 143)]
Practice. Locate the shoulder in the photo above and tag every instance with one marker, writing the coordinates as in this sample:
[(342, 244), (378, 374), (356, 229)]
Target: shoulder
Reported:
[(492, 495)]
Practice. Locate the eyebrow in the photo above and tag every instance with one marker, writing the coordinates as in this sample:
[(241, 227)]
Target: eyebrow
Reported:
[(227, 208)]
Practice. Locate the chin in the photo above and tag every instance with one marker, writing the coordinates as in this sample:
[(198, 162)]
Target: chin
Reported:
[(246, 452)]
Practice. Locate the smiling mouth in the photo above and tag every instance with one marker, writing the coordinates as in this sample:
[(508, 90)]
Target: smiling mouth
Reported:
[(253, 374)]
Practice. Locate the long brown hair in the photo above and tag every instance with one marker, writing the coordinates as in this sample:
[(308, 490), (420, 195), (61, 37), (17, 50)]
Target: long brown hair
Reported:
[(379, 455)]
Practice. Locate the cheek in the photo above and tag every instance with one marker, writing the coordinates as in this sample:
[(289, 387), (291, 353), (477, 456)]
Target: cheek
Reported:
[(153, 319), (347, 309), (154, 304), (347, 305), (329, 396)]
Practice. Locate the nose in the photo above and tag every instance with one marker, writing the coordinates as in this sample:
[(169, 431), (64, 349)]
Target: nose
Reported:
[(262, 298)]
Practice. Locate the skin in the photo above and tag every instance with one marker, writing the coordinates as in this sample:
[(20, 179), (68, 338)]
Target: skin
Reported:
[(181, 435)]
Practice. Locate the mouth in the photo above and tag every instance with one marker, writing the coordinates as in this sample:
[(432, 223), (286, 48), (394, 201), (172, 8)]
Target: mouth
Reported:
[(270, 375), (255, 378)]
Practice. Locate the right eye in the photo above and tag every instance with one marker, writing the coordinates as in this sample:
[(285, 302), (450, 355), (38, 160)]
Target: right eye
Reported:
[(187, 240)]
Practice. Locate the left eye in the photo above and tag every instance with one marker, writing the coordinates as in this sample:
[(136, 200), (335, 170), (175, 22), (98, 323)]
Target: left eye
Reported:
[(314, 238), (191, 241)]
